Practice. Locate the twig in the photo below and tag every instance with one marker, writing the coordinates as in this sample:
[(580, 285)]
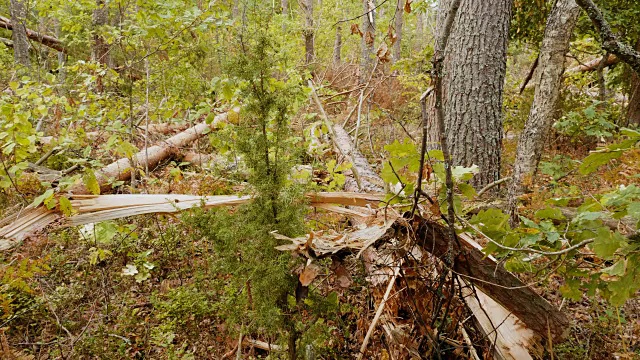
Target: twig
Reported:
[(361, 15), (365, 342), (467, 339)]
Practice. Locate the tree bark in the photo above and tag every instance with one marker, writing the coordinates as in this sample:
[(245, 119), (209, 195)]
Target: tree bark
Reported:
[(633, 109), (284, 4), (308, 32), (337, 46), (368, 39), (474, 73), (19, 35), (610, 41), (398, 22), (45, 40), (100, 51), (419, 29), (594, 64), (555, 44)]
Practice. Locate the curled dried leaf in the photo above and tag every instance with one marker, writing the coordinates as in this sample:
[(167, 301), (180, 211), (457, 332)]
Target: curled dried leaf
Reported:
[(309, 273), (407, 6), (355, 29)]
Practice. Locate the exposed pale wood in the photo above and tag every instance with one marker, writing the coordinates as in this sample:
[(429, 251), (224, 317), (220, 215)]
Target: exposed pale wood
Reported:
[(495, 281), (121, 169), (96, 208)]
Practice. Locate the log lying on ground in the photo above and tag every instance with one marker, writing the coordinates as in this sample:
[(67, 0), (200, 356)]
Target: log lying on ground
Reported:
[(594, 64), (367, 179), (150, 157), (96, 208), (494, 280), (162, 128), (46, 40)]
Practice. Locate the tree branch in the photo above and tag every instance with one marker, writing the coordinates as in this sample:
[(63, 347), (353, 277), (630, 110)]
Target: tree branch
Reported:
[(45, 40), (610, 41)]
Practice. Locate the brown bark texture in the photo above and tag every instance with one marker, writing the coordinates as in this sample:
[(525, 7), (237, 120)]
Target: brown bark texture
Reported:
[(494, 280), (474, 73), (555, 44), (19, 35), (397, 24)]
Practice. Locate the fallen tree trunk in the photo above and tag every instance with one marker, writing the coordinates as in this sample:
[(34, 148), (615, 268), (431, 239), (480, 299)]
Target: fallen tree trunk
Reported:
[(494, 280), (46, 40), (162, 128), (97, 208), (514, 340), (150, 157)]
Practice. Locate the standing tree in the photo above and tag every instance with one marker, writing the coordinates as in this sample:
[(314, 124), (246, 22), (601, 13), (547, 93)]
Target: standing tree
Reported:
[(19, 36), (398, 22), (633, 109), (308, 31), (474, 73), (555, 45), (368, 39), (337, 46)]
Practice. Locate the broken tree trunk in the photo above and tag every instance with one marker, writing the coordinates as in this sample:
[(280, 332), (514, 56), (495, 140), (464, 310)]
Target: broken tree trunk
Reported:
[(96, 208), (495, 281), (45, 40), (121, 169)]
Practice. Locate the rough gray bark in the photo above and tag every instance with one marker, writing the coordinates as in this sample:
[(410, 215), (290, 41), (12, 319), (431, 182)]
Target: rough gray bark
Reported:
[(633, 110), (474, 73), (308, 32), (235, 9), (284, 4), (337, 46), (398, 22), (555, 44), (368, 39), (19, 35)]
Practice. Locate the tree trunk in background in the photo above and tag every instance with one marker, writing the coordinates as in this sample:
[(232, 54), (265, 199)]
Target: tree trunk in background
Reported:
[(235, 9), (284, 4), (100, 46), (633, 110), (368, 40), (307, 9), (555, 45), (337, 46), (398, 22), (419, 30), (474, 73), (19, 35), (100, 51)]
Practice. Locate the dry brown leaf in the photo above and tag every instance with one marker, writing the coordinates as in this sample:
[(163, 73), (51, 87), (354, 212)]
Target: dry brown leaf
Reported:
[(407, 6), (369, 38), (391, 34), (355, 29), (383, 53), (309, 274)]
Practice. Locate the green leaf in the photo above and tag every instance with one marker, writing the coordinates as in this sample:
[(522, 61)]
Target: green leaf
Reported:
[(597, 159), (40, 199), (91, 182), (550, 213), (467, 190), (571, 289), (617, 269), (65, 205), (606, 243)]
